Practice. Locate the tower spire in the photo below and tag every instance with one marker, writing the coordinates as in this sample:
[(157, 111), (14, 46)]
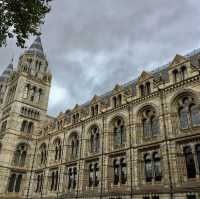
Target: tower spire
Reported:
[(36, 47)]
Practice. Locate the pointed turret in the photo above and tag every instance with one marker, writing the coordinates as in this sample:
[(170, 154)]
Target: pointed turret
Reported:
[(6, 73), (36, 47)]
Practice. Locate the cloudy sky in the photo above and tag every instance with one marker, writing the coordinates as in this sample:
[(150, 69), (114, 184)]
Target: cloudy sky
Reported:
[(93, 44)]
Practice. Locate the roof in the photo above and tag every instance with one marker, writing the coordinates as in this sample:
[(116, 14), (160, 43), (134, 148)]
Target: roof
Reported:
[(160, 71)]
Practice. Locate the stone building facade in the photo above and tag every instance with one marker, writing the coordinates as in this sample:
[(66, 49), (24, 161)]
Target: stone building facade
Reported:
[(141, 140)]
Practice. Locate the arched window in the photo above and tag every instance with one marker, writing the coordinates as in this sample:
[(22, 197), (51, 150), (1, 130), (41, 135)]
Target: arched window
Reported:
[(142, 90), (190, 164), (114, 102), (74, 177), (26, 91), (175, 75), (148, 167), (96, 109), (39, 95), (123, 171), (18, 183), (12, 182), (183, 72), (58, 149), (92, 110), (91, 179), (15, 181), (54, 180), (119, 99), (74, 146), (150, 123), (119, 132), (93, 174), (20, 155), (39, 185), (96, 174), (94, 139), (70, 178), (157, 167), (24, 126), (198, 155), (43, 154), (189, 114), (148, 88), (116, 171), (33, 93), (30, 127)]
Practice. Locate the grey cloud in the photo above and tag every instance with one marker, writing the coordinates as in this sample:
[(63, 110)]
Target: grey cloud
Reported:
[(92, 45)]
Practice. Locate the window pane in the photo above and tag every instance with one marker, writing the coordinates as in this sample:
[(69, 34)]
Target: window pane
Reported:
[(11, 183), (146, 128), (155, 128), (195, 116), (18, 183), (198, 155), (148, 168), (184, 120), (190, 165)]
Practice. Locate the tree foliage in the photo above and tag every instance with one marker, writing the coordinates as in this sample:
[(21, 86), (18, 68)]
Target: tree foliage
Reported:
[(21, 18)]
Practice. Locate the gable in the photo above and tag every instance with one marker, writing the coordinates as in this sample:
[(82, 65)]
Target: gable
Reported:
[(144, 76), (178, 59), (95, 99)]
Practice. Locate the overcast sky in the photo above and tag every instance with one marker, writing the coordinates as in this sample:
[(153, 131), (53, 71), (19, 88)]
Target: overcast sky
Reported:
[(93, 44)]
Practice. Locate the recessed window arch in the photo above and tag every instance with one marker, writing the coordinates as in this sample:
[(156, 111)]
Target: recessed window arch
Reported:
[(72, 178), (150, 122), (152, 166), (119, 171), (20, 155), (15, 181), (118, 129), (94, 139), (188, 112)]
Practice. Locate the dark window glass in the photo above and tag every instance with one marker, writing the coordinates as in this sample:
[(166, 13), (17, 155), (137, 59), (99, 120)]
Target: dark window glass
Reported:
[(198, 155), (148, 168), (11, 183), (18, 183), (116, 172), (157, 167), (91, 177), (190, 164), (123, 171)]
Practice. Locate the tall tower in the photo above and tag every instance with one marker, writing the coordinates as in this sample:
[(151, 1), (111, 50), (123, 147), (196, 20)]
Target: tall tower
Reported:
[(24, 106)]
